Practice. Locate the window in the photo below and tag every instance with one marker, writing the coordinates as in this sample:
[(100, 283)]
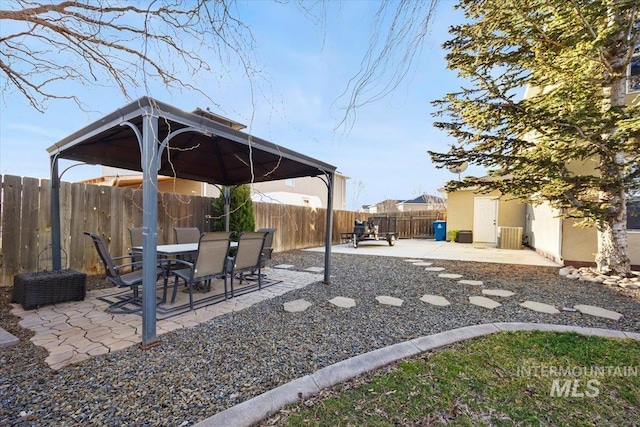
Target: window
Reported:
[(633, 213), (290, 182), (634, 72)]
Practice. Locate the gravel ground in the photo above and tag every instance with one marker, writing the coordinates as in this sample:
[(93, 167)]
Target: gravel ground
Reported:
[(200, 371)]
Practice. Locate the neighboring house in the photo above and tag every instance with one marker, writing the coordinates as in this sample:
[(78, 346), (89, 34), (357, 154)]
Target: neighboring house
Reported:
[(542, 228), (305, 191), (424, 202)]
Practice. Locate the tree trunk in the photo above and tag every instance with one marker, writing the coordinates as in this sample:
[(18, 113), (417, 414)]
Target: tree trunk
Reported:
[(612, 257), (612, 248)]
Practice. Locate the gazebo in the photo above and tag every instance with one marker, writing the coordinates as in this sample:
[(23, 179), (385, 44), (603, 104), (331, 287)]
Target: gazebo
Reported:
[(155, 138)]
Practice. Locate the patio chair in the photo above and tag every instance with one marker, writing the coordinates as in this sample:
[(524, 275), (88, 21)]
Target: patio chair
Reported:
[(135, 237), (248, 257), (121, 277), (187, 235), (210, 263), (268, 244)]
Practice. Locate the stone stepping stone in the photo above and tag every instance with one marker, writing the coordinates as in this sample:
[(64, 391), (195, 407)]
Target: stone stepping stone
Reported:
[(497, 292), (343, 302), (540, 307), (7, 339), (597, 311), (387, 300), (296, 306), (412, 260), (435, 300), (471, 282), (284, 266), (315, 269), (484, 302), (434, 269), (423, 264), (450, 276)]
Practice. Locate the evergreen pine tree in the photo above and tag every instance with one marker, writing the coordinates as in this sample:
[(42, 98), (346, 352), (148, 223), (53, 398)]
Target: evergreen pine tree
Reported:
[(574, 140), (241, 216)]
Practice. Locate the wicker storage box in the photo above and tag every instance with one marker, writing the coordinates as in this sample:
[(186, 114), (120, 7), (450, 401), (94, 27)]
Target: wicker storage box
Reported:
[(48, 287)]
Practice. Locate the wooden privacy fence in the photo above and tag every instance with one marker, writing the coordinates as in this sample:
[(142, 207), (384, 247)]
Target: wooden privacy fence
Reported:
[(25, 232)]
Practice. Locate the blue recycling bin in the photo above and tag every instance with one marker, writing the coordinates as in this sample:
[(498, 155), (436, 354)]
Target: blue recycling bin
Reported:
[(440, 230)]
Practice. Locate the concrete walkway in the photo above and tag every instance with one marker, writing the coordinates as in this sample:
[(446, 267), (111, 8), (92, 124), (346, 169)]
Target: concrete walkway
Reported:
[(260, 407)]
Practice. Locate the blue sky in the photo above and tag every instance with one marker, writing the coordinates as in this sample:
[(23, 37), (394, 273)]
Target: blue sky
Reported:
[(305, 68)]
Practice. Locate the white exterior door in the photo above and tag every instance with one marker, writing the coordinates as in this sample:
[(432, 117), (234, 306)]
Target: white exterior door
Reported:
[(485, 215)]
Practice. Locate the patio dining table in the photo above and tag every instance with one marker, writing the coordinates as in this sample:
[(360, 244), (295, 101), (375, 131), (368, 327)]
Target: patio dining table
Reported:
[(179, 248)]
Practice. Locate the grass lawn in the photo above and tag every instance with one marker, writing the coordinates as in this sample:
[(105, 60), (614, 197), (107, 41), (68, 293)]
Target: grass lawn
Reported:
[(505, 379)]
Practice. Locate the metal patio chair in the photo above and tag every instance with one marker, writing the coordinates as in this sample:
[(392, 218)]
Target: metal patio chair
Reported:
[(123, 275), (210, 263), (267, 250), (187, 235), (135, 238), (248, 257)]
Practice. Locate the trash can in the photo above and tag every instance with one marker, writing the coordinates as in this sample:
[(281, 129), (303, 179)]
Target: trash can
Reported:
[(440, 230)]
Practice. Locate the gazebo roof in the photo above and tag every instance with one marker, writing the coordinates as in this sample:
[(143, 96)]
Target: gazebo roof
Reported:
[(211, 152)]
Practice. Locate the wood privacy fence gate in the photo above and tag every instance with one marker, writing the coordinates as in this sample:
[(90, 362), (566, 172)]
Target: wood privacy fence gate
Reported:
[(25, 226)]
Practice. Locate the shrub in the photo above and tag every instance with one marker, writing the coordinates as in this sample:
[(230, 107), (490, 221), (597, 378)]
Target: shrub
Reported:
[(241, 216)]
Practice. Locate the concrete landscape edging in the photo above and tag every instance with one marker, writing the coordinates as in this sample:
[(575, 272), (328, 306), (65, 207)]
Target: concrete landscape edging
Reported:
[(260, 407)]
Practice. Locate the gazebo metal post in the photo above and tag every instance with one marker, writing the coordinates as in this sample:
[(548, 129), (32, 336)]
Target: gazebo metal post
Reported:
[(56, 246), (150, 162), (227, 205), (329, 230)]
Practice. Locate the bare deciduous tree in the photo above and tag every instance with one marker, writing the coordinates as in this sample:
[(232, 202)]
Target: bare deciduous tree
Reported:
[(43, 44), (399, 30)]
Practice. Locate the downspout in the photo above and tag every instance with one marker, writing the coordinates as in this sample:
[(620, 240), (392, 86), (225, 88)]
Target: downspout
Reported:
[(560, 251)]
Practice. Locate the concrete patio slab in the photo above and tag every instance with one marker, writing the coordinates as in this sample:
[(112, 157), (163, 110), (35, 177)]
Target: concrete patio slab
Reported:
[(428, 249)]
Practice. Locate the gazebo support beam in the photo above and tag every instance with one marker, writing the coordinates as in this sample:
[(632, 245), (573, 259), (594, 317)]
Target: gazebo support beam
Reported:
[(56, 246), (329, 228)]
